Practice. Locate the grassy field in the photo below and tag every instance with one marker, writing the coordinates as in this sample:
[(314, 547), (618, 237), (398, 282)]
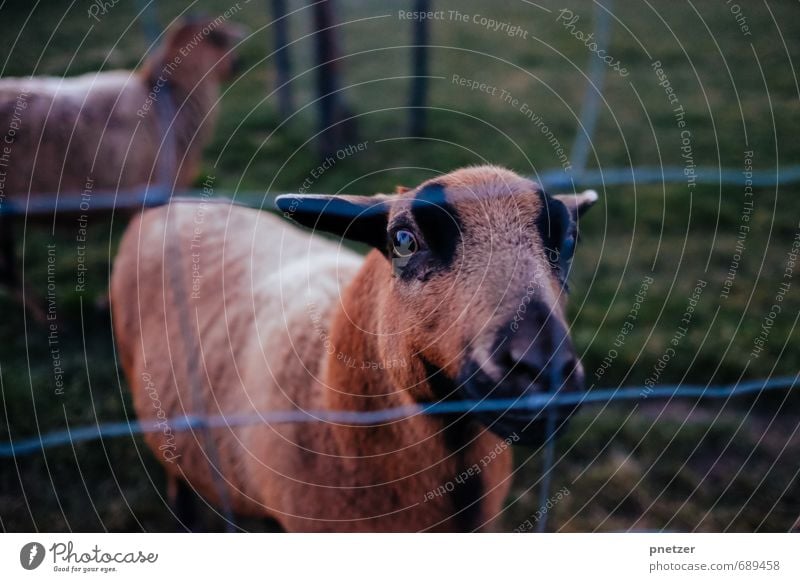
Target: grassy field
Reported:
[(678, 466)]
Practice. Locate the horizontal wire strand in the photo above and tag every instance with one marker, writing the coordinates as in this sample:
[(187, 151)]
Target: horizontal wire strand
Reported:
[(536, 403)]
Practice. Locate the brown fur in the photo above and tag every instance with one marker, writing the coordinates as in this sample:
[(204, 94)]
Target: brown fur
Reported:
[(284, 321)]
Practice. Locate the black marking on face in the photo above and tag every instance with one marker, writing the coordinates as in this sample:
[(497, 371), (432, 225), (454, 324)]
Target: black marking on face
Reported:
[(439, 223), (556, 230)]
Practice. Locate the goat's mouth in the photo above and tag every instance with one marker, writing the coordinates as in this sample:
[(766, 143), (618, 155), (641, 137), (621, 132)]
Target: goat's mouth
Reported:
[(516, 427), (507, 410)]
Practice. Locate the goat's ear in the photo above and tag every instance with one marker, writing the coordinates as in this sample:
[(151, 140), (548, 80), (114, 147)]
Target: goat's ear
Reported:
[(362, 219), (578, 204)]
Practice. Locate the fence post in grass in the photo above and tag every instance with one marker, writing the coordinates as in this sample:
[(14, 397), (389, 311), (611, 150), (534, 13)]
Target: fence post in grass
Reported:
[(417, 114), (590, 109), (337, 127), (283, 66)]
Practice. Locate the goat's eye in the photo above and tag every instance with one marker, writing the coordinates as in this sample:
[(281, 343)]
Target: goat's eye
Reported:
[(218, 39), (404, 244), (568, 248)]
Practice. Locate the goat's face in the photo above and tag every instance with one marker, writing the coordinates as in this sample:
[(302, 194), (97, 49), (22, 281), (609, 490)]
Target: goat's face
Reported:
[(205, 48), (476, 268)]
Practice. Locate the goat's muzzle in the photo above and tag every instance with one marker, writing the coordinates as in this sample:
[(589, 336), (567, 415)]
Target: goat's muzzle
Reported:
[(538, 360)]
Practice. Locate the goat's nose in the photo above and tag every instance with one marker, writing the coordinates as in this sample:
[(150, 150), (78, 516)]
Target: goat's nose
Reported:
[(539, 361)]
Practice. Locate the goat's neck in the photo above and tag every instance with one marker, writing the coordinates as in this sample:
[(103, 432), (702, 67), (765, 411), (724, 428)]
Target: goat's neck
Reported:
[(425, 451), (187, 103), (359, 373), (194, 109)]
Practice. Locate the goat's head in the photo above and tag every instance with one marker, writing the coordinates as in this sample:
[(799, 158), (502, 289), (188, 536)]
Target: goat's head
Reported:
[(201, 47), (475, 265)]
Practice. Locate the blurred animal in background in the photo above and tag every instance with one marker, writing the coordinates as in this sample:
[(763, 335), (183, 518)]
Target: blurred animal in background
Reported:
[(107, 131), (462, 298)]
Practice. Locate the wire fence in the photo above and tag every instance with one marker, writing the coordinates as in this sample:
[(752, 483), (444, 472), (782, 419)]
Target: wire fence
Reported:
[(538, 404), (535, 403), (158, 195)]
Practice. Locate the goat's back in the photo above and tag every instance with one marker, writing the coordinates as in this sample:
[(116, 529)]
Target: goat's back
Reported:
[(221, 310), (65, 134)]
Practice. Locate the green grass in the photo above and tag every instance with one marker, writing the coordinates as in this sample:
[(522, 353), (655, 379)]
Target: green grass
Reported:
[(714, 467)]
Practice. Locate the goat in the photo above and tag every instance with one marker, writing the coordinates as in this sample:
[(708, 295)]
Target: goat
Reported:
[(106, 130), (462, 297)]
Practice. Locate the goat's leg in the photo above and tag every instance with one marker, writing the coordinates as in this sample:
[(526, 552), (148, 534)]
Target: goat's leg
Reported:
[(272, 525), (9, 276), (32, 302), (183, 503)]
